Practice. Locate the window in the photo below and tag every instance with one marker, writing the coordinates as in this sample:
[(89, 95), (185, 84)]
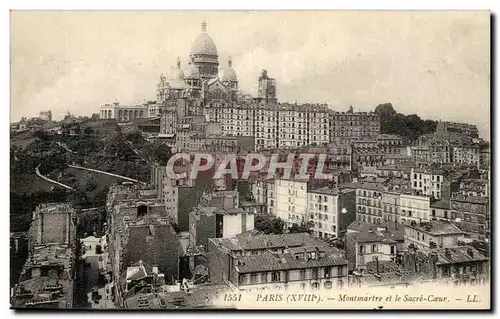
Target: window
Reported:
[(275, 276), (374, 248), (361, 249), (326, 272), (302, 274), (393, 250), (315, 273), (253, 278), (263, 277)]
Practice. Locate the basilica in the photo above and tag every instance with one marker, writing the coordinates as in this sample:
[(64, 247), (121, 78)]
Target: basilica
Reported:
[(203, 80), (200, 103)]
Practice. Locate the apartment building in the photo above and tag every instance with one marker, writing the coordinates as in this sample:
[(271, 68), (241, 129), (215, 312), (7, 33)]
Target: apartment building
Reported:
[(369, 202), (389, 143), (414, 208), (472, 215), (52, 223), (47, 279), (291, 200), (428, 182), (462, 128), (213, 222), (391, 211), (271, 196), (466, 153), (331, 210), (460, 266), (433, 234), (276, 262), (367, 242), (346, 126)]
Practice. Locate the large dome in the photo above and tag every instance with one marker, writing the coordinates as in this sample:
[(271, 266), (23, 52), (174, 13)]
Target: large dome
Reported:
[(204, 44)]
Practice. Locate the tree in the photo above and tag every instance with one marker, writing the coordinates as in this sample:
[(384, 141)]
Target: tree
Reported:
[(385, 111), (269, 224), (88, 131), (410, 127), (163, 154), (303, 227)]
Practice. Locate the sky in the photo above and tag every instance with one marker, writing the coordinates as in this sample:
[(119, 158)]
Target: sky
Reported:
[(434, 64)]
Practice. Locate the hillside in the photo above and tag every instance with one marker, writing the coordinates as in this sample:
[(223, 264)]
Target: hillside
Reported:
[(107, 149)]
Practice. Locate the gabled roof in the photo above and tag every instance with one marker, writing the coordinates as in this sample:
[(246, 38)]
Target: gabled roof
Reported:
[(272, 262), (458, 254), (249, 242), (437, 228)]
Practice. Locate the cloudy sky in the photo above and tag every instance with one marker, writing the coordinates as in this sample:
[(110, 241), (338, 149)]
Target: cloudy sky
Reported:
[(434, 64)]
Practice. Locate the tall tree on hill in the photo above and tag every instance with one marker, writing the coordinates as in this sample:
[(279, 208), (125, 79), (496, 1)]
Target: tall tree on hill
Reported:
[(410, 127)]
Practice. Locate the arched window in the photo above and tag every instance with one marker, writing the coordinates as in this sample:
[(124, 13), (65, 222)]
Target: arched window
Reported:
[(141, 113), (142, 210), (120, 114), (136, 114)]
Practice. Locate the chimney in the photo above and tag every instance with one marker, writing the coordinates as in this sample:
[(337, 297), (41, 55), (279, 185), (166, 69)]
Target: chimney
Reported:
[(470, 252), (434, 258), (40, 228), (317, 253), (447, 253), (68, 232)]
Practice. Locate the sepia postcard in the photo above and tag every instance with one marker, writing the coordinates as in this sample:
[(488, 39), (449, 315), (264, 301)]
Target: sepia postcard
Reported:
[(250, 160)]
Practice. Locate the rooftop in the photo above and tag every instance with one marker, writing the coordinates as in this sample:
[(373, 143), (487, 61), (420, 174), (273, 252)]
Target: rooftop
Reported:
[(54, 208), (458, 254), (231, 211), (52, 287), (470, 199), (442, 204), (389, 137), (437, 228), (331, 191), (198, 296), (384, 279), (367, 232), (258, 242), (298, 259), (138, 271)]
